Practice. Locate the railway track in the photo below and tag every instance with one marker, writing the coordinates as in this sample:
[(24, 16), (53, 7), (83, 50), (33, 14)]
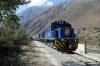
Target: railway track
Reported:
[(87, 61), (70, 59), (83, 59)]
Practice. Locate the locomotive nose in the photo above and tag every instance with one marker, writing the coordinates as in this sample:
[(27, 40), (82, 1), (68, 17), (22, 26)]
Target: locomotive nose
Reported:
[(67, 32)]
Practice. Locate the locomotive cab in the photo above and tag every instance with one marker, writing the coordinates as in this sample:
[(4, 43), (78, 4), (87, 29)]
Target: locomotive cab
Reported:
[(63, 29)]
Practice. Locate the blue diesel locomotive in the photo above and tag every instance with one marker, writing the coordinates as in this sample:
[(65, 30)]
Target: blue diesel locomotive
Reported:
[(62, 36)]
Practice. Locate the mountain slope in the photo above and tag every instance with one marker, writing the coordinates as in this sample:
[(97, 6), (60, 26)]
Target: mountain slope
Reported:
[(30, 12), (35, 25), (80, 13)]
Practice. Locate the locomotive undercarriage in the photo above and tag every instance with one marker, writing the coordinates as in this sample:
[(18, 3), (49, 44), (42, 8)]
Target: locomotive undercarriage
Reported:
[(62, 44)]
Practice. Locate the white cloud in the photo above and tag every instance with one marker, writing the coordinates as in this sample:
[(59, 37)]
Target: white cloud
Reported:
[(50, 4), (37, 2)]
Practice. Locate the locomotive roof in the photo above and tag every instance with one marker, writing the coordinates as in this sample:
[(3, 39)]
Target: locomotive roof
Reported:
[(62, 22), (58, 22)]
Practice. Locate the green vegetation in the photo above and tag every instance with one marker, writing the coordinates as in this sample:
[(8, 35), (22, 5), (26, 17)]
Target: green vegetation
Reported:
[(98, 41), (82, 39), (86, 40), (97, 28), (8, 37), (92, 41), (84, 28), (11, 34)]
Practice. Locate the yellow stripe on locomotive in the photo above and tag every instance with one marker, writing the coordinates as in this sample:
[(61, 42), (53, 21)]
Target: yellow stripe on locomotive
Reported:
[(66, 44)]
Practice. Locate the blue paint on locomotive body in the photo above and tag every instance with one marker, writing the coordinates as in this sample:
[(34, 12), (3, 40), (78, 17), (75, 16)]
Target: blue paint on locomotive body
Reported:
[(61, 33), (59, 28)]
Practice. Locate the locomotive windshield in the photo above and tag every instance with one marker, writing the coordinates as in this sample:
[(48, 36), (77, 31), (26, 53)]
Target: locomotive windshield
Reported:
[(58, 26)]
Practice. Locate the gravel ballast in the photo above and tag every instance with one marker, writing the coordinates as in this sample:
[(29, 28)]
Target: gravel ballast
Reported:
[(50, 57)]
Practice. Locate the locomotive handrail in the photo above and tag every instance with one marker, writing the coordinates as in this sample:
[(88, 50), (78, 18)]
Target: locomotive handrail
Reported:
[(48, 38)]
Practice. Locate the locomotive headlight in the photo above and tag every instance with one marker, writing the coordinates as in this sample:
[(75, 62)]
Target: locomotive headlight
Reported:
[(62, 39), (75, 39)]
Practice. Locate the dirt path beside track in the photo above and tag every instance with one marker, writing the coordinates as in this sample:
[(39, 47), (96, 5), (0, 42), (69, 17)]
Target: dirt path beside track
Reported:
[(36, 56)]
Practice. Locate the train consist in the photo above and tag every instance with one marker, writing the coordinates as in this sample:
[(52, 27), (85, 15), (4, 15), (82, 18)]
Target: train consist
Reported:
[(60, 35)]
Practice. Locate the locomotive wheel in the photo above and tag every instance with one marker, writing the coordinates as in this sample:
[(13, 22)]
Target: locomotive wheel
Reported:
[(45, 43), (42, 41), (51, 44)]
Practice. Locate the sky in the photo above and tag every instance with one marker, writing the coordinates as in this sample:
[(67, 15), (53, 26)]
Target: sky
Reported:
[(39, 3)]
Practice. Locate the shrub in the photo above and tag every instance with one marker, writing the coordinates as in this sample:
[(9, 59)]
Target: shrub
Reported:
[(10, 41), (9, 37), (82, 39), (98, 41), (84, 28)]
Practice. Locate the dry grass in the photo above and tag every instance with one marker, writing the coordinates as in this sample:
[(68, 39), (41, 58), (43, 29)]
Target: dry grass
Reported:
[(36, 56), (24, 48)]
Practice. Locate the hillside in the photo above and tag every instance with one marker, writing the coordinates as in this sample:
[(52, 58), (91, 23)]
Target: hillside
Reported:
[(30, 12), (82, 14), (37, 24)]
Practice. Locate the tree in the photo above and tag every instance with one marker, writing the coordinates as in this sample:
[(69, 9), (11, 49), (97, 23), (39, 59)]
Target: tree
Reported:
[(12, 35), (7, 12), (8, 16)]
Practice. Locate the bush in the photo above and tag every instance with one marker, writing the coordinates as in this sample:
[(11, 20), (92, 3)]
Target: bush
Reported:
[(98, 41), (82, 39), (9, 37), (10, 41), (12, 58), (84, 28), (21, 37), (97, 28)]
